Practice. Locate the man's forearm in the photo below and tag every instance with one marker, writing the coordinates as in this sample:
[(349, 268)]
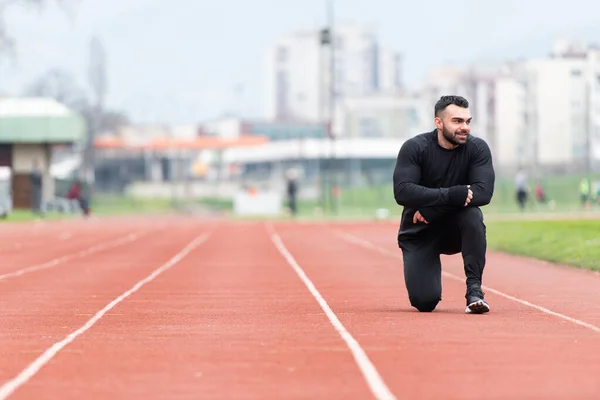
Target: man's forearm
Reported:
[(482, 177), (435, 212), (409, 194), (482, 194)]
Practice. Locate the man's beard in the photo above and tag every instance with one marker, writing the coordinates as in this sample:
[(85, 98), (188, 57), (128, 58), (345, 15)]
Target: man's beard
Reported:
[(451, 136)]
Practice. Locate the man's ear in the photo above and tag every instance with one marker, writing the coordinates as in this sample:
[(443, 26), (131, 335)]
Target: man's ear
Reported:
[(438, 122)]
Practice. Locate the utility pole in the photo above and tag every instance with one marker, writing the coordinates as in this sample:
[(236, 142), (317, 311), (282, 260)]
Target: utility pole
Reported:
[(589, 153), (328, 39), (332, 98), (98, 83)]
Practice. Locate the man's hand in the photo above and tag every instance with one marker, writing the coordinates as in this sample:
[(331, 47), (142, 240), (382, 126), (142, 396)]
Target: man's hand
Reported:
[(469, 196), (419, 218)]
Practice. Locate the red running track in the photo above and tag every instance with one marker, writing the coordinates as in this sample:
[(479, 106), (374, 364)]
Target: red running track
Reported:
[(222, 310)]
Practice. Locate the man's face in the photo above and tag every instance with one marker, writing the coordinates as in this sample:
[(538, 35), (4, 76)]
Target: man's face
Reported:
[(455, 123)]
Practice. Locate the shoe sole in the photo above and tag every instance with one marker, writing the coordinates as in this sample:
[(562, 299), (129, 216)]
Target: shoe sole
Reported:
[(478, 307)]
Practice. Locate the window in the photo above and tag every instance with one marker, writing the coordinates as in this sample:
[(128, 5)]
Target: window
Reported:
[(368, 127), (282, 93)]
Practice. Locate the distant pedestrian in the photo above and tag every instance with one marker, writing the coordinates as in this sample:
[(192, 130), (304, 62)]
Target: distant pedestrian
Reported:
[(36, 183), (75, 193), (521, 189), (292, 191)]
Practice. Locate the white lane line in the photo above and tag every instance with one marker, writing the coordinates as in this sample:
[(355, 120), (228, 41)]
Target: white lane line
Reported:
[(369, 245), (374, 380), (130, 237), (25, 375), (65, 236)]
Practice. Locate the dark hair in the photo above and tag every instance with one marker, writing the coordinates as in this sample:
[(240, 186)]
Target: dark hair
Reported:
[(445, 101)]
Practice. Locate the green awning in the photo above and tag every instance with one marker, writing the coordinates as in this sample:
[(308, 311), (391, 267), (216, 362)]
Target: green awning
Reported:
[(64, 129), (39, 120)]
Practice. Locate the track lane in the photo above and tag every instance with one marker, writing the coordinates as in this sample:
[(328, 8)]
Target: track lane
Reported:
[(514, 352), (39, 309), (231, 321), (572, 292), (30, 250)]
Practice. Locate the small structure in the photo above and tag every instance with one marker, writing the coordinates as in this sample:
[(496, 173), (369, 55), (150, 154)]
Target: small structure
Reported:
[(29, 129)]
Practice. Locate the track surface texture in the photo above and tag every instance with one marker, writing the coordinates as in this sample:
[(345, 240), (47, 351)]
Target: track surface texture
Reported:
[(192, 308)]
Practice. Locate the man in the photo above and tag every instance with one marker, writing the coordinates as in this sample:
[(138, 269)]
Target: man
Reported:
[(36, 181), (292, 191), (521, 189), (442, 178), (75, 193)]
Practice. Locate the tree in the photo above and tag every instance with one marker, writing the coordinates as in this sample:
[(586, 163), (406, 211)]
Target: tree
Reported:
[(7, 43), (61, 86)]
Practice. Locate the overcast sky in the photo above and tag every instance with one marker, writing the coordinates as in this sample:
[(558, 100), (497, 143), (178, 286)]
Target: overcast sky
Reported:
[(178, 61)]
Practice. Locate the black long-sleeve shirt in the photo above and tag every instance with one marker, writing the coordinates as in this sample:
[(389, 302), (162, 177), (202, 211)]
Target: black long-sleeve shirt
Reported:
[(433, 180)]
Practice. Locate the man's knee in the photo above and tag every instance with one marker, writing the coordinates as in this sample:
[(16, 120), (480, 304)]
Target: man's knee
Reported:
[(425, 303), (471, 217)]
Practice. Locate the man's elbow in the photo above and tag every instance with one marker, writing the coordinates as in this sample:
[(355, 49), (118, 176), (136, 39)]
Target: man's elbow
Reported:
[(400, 200), (401, 195), (485, 198)]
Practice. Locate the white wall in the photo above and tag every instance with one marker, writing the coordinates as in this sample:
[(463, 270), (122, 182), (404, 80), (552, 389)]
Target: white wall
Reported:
[(304, 65), (387, 115), (554, 91), (225, 128), (593, 78), (23, 158), (390, 71), (297, 60), (508, 121)]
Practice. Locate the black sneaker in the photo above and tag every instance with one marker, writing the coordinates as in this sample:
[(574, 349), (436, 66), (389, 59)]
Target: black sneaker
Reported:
[(475, 301)]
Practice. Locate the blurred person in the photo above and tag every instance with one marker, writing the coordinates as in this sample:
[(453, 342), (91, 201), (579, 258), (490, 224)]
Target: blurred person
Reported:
[(521, 189), (292, 191), (442, 178), (75, 193), (540, 193), (36, 181), (585, 192)]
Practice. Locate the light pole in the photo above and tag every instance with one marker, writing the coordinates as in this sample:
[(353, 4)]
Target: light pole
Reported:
[(328, 39)]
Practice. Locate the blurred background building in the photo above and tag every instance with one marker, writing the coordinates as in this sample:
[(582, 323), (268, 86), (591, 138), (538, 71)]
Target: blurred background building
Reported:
[(337, 114)]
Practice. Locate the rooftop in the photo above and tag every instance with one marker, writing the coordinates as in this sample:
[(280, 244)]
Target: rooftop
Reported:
[(32, 107)]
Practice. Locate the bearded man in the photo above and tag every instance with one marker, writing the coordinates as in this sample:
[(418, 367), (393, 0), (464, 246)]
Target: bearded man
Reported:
[(442, 178)]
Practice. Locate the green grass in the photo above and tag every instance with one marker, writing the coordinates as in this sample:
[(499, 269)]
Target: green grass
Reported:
[(26, 215), (122, 205), (103, 205), (571, 242)]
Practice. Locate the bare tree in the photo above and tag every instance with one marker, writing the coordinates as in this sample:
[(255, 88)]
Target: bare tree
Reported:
[(98, 83), (7, 42), (60, 85)]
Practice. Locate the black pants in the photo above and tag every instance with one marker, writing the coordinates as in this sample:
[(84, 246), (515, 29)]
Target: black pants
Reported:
[(522, 198), (292, 204), (463, 232)]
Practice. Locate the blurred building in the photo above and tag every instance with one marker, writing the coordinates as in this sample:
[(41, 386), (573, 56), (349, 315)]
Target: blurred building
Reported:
[(534, 113), (563, 106), (30, 129), (477, 83), (298, 72), (382, 115)]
